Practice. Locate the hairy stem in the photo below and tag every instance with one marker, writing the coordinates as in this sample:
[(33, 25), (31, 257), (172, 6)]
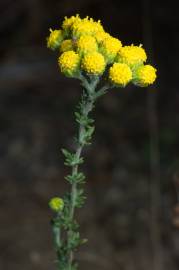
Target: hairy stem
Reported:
[(85, 110)]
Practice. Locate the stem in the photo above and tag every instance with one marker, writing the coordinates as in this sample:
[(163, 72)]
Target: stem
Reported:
[(56, 230), (86, 108), (65, 228), (102, 91), (56, 236)]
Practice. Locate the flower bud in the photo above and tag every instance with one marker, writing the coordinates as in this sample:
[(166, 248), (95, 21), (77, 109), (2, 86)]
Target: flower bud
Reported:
[(55, 38), (69, 63), (109, 48), (120, 74), (93, 63), (131, 55), (144, 75), (56, 204)]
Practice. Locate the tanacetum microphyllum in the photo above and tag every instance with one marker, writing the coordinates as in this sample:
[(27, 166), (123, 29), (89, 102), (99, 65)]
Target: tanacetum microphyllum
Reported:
[(109, 48), (68, 22), (131, 55), (56, 204), (86, 44), (97, 26), (69, 63), (98, 60), (145, 75), (100, 36), (120, 74), (93, 63), (66, 45), (86, 26), (55, 38)]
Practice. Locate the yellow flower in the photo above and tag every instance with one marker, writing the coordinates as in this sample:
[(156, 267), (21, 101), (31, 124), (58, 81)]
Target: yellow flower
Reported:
[(68, 22), (86, 44), (93, 63), (56, 204), (145, 75), (69, 63), (86, 27), (54, 39), (131, 55), (120, 74), (66, 45), (97, 25), (109, 48), (101, 35)]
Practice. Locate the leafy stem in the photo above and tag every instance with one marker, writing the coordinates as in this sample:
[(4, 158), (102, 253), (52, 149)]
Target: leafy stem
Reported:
[(84, 136), (65, 228)]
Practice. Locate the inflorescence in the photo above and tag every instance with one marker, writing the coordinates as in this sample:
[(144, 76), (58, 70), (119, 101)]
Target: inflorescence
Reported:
[(85, 47)]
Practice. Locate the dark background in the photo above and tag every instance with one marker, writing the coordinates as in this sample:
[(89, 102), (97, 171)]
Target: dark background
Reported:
[(131, 216)]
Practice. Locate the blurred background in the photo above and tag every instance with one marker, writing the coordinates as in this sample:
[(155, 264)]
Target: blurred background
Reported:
[(131, 216)]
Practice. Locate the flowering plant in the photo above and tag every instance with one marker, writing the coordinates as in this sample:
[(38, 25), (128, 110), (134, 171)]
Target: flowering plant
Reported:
[(88, 53)]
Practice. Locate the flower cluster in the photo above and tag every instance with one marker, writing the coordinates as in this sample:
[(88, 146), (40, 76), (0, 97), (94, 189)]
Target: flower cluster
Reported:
[(85, 47)]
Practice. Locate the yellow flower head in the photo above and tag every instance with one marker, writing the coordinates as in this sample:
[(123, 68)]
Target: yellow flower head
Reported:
[(131, 55), (97, 26), (120, 74), (69, 63), (86, 44), (54, 39), (101, 35), (109, 48), (86, 27), (68, 22), (56, 204), (93, 63), (145, 75), (66, 45)]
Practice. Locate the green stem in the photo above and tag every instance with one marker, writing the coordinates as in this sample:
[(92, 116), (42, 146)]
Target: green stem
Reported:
[(56, 230), (101, 91), (87, 107), (56, 236), (65, 234)]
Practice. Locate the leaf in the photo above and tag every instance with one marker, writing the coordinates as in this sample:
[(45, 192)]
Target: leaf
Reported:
[(74, 240), (83, 119), (87, 135), (76, 178), (71, 159), (66, 153), (80, 198)]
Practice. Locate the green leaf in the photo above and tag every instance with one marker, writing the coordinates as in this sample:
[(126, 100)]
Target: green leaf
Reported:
[(83, 119), (80, 198), (74, 240), (88, 133), (71, 159), (76, 178), (66, 153)]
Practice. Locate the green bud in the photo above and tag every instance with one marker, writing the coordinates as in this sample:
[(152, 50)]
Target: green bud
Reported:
[(56, 204)]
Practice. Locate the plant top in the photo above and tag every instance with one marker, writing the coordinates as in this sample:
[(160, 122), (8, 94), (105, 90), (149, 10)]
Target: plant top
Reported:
[(86, 48)]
